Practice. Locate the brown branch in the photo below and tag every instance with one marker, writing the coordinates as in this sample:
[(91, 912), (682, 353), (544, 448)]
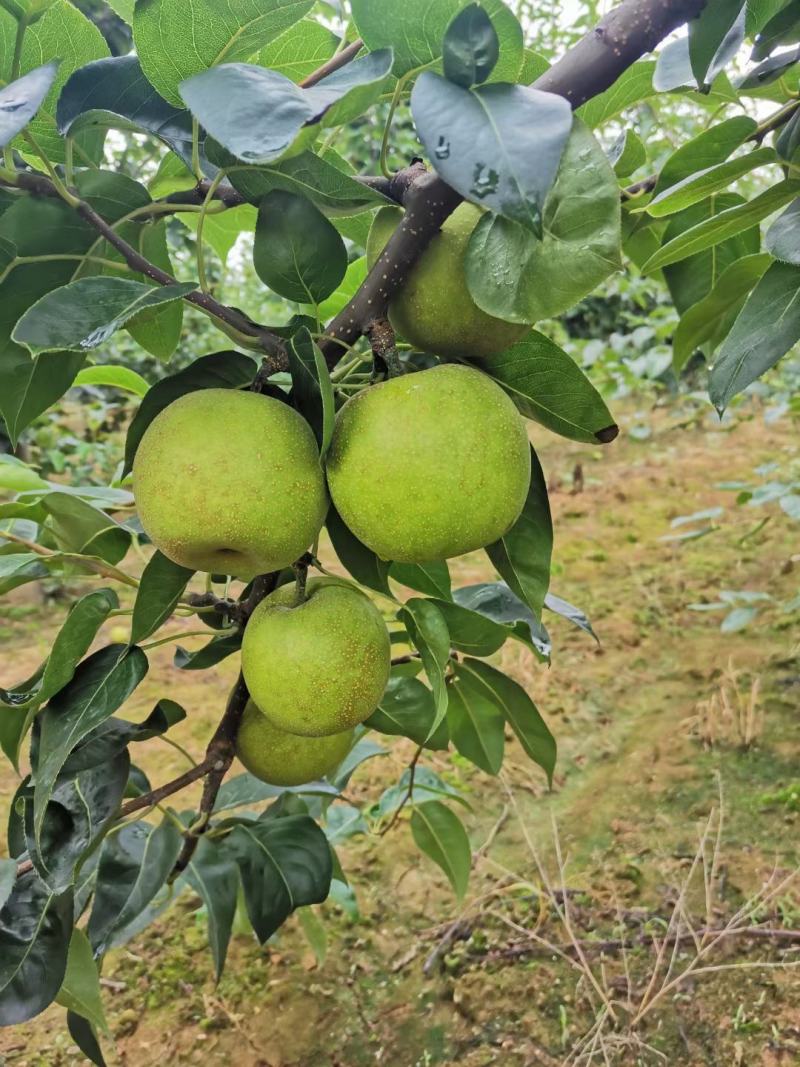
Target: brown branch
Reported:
[(341, 59), (588, 68), (412, 767), (272, 345)]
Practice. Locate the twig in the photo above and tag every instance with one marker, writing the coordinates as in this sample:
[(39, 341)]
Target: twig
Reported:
[(412, 767), (341, 59)]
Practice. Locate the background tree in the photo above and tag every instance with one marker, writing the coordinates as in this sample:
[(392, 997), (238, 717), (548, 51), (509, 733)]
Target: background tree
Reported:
[(242, 136)]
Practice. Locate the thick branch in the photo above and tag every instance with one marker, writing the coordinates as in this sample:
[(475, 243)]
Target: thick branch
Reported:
[(589, 68)]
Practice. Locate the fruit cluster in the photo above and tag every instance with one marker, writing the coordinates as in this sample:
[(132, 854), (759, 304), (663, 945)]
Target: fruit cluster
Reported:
[(421, 467)]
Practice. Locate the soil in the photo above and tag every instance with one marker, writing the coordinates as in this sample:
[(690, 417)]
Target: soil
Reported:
[(638, 774)]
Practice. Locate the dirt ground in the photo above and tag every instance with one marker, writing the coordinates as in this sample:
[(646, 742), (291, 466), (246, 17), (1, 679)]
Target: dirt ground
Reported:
[(647, 745)]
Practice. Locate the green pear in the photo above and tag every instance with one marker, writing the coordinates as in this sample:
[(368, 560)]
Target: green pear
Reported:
[(319, 665), (433, 310), (430, 464), (229, 482), (281, 758)]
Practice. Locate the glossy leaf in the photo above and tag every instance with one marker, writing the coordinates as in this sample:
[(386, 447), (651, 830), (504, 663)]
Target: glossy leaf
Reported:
[(433, 579), (548, 386), (77, 813), (407, 709), (767, 327), (8, 876), (475, 725), (497, 145), (569, 612), (715, 37), (535, 279), (260, 115), (708, 321), (497, 602), (209, 655), (416, 29), (782, 239), (80, 1029), (721, 226), (35, 928), (84, 314), (471, 631), (160, 588), (516, 707), (213, 876), (627, 154), (297, 252), (99, 686), (428, 632), (299, 51), (114, 93), (707, 149), (440, 834), (470, 48), (79, 527), (312, 391), (782, 29), (360, 561), (134, 866), (20, 100), (285, 863), (632, 86), (522, 557), (222, 370), (110, 738), (176, 40), (704, 183), (80, 990)]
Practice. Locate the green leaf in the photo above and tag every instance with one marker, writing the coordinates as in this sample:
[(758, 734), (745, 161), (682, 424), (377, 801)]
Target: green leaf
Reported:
[(440, 834), (693, 278), (214, 877), (433, 579), (221, 370), (470, 48), (706, 150), (158, 328), (297, 252), (260, 115), (570, 613), (471, 631), (475, 725), (407, 709), (359, 560), (285, 863), (80, 990), (708, 321), (176, 40), (705, 183), (627, 154), (330, 188), (315, 933), (84, 314), (416, 29), (341, 296), (299, 51), (222, 231), (715, 37), (428, 632), (209, 655), (20, 100), (8, 876), (723, 225), (312, 391), (99, 686), (782, 28), (35, 928), (80, 528), (533, 280), (71, 643), (106, 741), (758, 80), (134, 865), (516, 707), (767, 327), (81, 1030), (114, 94), (631, 87), (497, 145), (123, 378), (496, 601), (522, 557), (782, 239), (161, 587), (62, 33), (548, 386)]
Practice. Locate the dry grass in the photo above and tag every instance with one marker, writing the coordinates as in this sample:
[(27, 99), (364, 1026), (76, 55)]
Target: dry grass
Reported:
[(733, 715)]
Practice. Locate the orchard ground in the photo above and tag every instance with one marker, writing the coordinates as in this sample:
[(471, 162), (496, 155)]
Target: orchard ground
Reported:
[(633, 784)]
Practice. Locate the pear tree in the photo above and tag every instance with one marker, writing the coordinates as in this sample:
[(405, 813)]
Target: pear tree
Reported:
[(383, 420)]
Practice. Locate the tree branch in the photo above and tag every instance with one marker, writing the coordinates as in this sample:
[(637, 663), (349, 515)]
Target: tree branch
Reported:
[(588, 68), (341, 59)]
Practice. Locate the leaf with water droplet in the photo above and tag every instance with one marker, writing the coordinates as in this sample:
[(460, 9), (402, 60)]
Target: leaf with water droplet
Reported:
[(20, 100), (84, 314)]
